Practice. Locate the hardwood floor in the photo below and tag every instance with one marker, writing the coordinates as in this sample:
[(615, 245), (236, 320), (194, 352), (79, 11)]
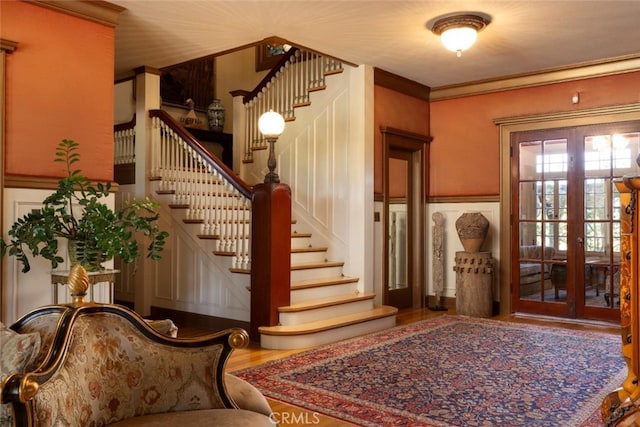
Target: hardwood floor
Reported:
[(292, 416)]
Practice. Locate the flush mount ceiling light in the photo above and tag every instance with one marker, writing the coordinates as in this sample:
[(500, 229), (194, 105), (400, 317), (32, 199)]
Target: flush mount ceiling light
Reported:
[(459, 32)]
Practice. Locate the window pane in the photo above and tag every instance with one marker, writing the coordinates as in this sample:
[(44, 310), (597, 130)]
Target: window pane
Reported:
[(530, 206), (596, 203), (530, 152), (529, 234), (626, 147)]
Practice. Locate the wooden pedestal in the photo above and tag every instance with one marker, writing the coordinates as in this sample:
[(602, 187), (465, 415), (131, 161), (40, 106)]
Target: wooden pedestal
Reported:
[(474, 282)]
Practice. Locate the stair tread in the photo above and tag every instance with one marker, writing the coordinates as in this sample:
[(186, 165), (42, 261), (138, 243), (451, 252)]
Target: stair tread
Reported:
[(311, 265), (328, 324), (325, 302), (308, 249), (296, 234), (315, 283)]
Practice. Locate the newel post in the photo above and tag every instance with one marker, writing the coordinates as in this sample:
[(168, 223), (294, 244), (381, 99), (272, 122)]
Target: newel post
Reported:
[(270, 254)]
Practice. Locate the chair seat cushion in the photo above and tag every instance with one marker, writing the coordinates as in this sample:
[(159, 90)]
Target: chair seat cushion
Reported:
[(206, 417)]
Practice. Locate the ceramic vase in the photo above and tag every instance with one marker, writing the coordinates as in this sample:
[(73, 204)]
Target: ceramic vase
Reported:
[(472, 228), (215, 114)]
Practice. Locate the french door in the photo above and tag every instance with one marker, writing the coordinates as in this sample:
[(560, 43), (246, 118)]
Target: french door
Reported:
[(566, 218)]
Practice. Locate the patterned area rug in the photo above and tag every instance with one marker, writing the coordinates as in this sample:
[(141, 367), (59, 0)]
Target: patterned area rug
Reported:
[(452, 371)]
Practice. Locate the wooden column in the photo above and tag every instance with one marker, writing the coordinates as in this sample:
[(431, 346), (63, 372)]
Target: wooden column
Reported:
[(270, 254)]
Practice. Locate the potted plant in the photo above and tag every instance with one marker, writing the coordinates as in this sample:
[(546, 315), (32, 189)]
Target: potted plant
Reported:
[(95, 233)]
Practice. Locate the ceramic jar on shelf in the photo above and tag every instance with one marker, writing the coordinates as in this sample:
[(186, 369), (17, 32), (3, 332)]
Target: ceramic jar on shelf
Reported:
[(215, 114)]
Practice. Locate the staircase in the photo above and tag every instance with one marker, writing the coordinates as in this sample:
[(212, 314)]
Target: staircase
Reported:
[(326, 306), (214, 205)]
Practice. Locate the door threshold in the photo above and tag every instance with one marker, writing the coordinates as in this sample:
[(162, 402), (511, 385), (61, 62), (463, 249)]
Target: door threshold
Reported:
[(540, 318)]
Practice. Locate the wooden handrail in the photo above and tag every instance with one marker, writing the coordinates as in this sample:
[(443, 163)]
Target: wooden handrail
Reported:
[(263, 83), (125, 126), (244, 188)]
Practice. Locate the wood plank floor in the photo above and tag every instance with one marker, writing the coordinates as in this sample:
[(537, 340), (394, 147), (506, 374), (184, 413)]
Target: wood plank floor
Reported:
[(292, 416)]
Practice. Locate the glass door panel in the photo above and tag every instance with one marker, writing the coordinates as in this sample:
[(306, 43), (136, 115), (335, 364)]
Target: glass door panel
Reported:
[(399, 289), (606, 157), (566, 233), (542, 218)]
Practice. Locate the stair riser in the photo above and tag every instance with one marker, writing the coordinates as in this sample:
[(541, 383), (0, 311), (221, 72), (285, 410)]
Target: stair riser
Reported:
[(300, 242), (315, 273), (308, 257), (314, 315), (308, 294), (310, 340)]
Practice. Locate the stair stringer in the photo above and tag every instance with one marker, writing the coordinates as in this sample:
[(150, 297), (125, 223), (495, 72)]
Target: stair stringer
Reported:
[(200, 281)]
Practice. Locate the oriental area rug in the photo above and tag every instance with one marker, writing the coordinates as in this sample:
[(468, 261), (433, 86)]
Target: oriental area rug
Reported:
[(452, 371)]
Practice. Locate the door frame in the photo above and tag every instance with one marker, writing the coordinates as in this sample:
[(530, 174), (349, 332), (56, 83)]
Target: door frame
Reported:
[(509, 125), (417, 146)]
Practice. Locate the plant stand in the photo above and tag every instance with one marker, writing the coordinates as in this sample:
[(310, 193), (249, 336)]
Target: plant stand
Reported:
[(61, 277)]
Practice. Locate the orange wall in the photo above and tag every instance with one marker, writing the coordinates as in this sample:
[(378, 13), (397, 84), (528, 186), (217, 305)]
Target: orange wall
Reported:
[(59, 85), (465, 151), (400, 111)]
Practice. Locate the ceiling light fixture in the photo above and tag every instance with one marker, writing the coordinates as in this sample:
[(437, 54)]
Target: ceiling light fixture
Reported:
[(459, 32)]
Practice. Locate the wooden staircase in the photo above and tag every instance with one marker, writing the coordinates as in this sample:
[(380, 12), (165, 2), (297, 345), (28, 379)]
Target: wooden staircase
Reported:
[(213, 206), (326, 306)]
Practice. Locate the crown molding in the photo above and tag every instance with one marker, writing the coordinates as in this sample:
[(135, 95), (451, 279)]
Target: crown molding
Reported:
[(606, 67), (98, 11)]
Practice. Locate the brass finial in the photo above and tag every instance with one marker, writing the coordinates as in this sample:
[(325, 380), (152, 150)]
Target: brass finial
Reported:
[(78, 283), (238, 338)]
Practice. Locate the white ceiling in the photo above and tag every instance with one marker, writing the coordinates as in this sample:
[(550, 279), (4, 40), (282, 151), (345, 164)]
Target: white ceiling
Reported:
[(523, 37)]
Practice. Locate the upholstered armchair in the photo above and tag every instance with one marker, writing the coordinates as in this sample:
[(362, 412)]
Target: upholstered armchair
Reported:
[(100, 364)]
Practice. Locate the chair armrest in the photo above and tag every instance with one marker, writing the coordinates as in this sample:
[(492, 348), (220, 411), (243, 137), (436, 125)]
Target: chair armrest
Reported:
[(246, 396)]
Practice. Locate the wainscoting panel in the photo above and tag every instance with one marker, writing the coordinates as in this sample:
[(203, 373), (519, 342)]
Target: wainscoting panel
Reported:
[(200, 282), (339, 171), (321, 162), (186, 269)]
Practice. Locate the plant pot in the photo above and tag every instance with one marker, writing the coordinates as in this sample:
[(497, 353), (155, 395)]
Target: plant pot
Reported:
[(80, 252)]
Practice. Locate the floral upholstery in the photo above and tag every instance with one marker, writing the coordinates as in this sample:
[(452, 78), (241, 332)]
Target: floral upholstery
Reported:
[(114, 368), (111, 359), (17, 351), (45, 327)]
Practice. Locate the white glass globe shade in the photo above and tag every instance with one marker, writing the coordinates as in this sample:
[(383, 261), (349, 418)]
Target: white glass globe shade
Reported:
[(271, 124), (459, 39)]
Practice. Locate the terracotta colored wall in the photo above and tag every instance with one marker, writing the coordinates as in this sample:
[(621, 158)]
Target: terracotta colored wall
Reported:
[(465, 151), (398, 185), (400, 111), (59, 85)]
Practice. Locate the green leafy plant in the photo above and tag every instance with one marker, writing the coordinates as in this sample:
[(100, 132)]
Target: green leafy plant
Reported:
[(95, 233)]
